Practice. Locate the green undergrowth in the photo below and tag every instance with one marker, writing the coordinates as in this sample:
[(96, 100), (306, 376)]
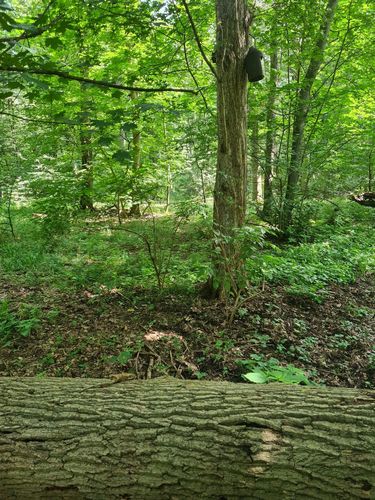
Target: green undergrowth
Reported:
[(81, 304), (96, 253), (167, 253), (336, 252), (308, 268)]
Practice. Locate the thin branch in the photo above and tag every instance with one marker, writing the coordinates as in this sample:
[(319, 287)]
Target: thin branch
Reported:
[(197, 39), (99, 83), (49, 122), (193, 76), (24, 36)]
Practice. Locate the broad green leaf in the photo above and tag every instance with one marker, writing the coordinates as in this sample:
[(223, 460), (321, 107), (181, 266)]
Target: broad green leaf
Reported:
[(256, 377), (105, 140), (121, 156), (54, 42), (126, 127), (36, 82)]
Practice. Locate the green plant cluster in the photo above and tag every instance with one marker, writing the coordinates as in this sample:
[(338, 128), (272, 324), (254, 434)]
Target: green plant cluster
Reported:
[(264, 371), (13, 326)]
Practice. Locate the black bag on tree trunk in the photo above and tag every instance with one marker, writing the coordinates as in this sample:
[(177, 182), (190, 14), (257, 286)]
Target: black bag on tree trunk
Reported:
[(253, 65)]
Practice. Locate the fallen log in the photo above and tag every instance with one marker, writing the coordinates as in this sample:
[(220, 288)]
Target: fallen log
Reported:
[(365, 199), (170, 439)]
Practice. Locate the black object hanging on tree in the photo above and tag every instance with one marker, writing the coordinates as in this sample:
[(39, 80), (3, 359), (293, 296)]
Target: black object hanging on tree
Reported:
[(253, 65)]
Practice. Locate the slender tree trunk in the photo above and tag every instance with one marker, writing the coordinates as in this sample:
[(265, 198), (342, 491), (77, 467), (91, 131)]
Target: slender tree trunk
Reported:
[(300, 115), (9, 212), (233, 20), (169, 173), (270, 139), (135, 209), (254, 159), (203, 185), (87, 172), (370, 175), (165, 439), (168, 192)]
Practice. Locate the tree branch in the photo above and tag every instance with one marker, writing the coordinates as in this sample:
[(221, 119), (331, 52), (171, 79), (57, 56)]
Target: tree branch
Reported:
[(196, 36), (39, 121), (193, 76), (99, 83), (25, 35)]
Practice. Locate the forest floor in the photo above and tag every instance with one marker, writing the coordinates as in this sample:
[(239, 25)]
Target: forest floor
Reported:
[(97, 329), (95, 335)]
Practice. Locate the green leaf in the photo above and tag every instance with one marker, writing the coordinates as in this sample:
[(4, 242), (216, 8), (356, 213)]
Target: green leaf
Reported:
[(6, 22), (4, 5), (124, 356), (149, 105), (121, 156), (100, 123), (105, 140), (117, 94), (15, 85), (38, 83), (126, 127), (257, 377), (54, 42)]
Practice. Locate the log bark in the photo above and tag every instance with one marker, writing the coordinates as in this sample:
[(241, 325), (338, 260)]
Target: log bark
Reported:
[(169, 439)]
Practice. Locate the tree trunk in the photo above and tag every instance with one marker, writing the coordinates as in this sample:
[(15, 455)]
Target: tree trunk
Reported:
[(270, 140), (233, 20), (169, 188), (370, 162), (203, 185), (300, 115), (135, 210), (254, 159), (168, 439), (87, 171), (87, 174)]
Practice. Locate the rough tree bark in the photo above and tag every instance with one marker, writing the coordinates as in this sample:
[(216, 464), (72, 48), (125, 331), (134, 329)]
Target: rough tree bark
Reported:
[(300, 115), (232, 43), (169, 439)]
